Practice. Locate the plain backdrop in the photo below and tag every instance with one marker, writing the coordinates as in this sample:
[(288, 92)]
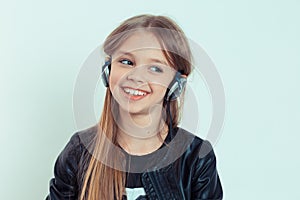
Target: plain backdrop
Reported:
[(254, 44)]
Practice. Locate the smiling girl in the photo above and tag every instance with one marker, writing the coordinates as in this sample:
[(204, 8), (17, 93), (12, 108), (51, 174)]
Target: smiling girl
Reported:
[(137, 150)]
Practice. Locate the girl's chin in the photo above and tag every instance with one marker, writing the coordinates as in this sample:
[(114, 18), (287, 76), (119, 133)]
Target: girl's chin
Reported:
[(135, 110)]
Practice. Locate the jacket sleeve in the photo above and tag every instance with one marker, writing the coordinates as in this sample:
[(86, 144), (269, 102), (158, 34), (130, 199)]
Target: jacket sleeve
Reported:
[(64, 184), (206, 182)]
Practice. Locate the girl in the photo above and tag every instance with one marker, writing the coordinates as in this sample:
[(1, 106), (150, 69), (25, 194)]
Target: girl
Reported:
[(137, 150)]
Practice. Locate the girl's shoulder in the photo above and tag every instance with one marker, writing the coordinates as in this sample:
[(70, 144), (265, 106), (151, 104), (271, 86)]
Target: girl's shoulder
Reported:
[(191, 148), (191, 141), (78, 144), (67, 176)]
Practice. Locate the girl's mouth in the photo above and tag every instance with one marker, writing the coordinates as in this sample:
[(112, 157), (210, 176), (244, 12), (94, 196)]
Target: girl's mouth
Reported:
[(134, 94)]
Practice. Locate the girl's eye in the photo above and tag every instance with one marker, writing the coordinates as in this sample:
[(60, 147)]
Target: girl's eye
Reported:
[(126, 62), (156, 69)]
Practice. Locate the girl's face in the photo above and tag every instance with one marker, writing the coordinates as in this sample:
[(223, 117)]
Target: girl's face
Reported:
[(140, 74)]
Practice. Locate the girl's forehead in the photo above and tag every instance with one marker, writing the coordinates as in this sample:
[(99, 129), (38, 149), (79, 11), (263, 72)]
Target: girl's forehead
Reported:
[(140, 41)]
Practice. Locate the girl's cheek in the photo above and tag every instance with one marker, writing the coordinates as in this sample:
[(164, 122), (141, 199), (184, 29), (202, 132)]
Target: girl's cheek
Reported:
[(112, 79), (115, 78), (112, 82)]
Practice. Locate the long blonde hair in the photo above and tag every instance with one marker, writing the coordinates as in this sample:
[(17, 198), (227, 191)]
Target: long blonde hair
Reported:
[(106, 182)]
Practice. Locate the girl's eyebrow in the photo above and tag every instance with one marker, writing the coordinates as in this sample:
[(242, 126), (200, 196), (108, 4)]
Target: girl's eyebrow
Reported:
[(157, 60), (119, 53)]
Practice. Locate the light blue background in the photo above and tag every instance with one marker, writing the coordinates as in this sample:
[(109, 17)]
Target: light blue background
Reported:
[(254, 44)]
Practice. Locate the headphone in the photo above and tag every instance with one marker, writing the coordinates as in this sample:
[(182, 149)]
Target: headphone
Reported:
[(106, 72), (174, 90)]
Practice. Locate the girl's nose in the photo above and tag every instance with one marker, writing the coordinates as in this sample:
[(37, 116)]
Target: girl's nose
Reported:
[(137, 74)]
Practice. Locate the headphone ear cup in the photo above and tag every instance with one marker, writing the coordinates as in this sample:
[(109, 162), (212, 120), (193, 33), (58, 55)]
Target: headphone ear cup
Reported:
[(176, 87), (179, 89), (105, 73)]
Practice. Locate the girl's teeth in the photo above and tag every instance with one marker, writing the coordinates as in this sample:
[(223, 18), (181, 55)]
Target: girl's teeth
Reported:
[(134, 92)]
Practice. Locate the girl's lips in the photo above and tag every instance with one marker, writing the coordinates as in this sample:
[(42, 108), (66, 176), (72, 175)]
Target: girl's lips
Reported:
[(132, 96), (125, 87)]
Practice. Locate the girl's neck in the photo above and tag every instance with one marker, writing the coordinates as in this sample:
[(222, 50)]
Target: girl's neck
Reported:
[(140, 134)]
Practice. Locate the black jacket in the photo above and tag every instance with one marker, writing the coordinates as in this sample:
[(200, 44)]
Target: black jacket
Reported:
[(191, 174)]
